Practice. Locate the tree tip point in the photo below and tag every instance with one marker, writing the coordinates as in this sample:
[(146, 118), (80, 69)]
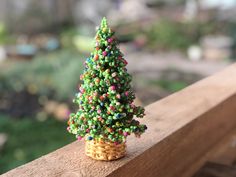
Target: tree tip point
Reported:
[(104, 21)]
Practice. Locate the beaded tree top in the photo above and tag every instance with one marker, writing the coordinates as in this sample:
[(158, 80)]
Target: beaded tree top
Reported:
[(105, 99)]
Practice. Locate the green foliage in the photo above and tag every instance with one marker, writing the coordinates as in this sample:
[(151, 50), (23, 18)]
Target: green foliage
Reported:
[(168, 34), (172, 86), (54, 75), (29, 139), (232, 33), (67, 36), (2, 33), (5, 38)]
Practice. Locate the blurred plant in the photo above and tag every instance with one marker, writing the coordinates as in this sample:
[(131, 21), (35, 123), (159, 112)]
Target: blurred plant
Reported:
[(67, 35), (83, 43), (170, 85), (2, 33), (167, 34), (5, 38), (53, 76), (30, 139), (232, 34)]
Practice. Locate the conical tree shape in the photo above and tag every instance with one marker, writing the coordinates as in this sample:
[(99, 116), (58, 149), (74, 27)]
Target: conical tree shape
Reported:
[(106, 110)]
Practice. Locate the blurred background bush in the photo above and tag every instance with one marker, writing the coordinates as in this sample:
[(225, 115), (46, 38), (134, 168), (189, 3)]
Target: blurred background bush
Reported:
[(43, 44)]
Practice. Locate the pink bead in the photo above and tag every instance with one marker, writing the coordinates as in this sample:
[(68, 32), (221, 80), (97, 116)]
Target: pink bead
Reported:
[(87, 130), (99, 111), (116, 143), (104, 53), (110, 40), (81, 76), (125, 134), (126, 93), (79, 138), (81, 90), (68, 128), (118, 96), (113, 87), (132, 105)]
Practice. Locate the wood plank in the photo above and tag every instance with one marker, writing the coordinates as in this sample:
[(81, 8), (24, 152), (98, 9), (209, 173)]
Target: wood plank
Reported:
[(181, 129), (223, 153), (216, 170)]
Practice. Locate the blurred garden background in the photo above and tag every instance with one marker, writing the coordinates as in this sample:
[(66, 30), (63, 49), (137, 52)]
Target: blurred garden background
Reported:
[(169, 44)]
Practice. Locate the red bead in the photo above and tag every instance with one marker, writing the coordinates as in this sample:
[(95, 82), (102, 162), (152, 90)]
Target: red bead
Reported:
[(96, 57), (97, 80), (110, 130)]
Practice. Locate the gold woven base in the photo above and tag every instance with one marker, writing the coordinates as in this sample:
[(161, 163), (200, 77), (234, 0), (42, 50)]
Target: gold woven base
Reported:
[(101, 150)]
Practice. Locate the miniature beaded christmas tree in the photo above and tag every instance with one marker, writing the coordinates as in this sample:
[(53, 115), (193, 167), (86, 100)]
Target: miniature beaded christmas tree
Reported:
[(105, 100)]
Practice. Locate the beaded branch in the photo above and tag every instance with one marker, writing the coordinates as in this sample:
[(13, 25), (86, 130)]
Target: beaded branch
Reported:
[(105, 99)]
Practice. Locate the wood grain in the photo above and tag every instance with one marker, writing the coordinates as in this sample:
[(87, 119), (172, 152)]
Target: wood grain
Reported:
[(216, 170), (182, 128), (223, 152)]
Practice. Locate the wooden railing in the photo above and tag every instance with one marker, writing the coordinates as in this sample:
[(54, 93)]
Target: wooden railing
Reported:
[(185, 130)]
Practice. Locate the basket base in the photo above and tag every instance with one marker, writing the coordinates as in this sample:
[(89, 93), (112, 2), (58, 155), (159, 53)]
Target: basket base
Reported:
[(106, 151)]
